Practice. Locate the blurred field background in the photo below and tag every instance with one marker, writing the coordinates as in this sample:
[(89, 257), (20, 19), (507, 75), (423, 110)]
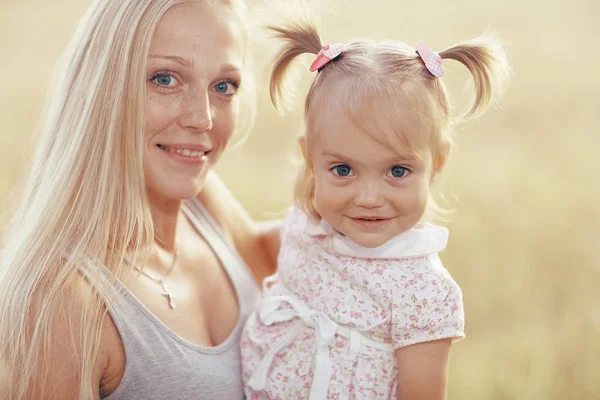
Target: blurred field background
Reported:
[(523, 179)]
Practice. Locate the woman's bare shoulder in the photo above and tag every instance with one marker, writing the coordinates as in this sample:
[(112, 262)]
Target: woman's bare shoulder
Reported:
[(62, 355), (257, 246), (233, 219)]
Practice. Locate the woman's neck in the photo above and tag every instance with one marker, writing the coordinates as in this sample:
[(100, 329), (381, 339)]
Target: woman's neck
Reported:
[(165, 215)]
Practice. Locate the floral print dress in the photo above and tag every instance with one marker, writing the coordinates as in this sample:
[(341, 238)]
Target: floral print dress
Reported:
[(330, 320)]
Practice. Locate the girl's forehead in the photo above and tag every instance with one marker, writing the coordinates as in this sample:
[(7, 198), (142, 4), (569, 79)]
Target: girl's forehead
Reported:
[(391, 122)]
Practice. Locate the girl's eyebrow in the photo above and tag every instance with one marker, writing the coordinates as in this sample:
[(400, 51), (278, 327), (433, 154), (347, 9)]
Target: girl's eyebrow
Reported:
[(337, 155), (400, 158)]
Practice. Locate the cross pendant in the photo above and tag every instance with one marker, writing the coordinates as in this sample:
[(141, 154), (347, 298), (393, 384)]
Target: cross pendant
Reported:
[(168, 295)]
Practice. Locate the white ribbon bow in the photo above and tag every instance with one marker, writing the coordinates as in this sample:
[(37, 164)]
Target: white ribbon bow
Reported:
[(325, 330)]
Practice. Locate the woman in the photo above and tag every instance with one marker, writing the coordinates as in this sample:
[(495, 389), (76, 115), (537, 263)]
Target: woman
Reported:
[(119, 277)]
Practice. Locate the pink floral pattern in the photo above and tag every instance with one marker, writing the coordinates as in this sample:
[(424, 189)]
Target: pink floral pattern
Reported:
[(397, 300)]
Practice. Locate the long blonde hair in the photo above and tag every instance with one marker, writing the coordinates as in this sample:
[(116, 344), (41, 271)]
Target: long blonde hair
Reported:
[(85, 199), (415, 106)]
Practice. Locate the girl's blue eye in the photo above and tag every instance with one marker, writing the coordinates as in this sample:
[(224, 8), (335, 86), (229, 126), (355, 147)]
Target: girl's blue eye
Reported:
[(226, 87), (342, 170), (398, 171)]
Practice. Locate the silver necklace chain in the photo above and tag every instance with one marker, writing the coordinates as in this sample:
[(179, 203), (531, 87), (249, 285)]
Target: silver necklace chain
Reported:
[(161, 281)]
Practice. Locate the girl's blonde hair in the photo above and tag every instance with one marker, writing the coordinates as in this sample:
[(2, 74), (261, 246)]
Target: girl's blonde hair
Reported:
[(85, 200), (385, 87)]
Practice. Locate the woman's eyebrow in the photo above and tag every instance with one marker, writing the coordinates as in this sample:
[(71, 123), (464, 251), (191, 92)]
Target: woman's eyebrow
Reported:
[(186, 62), (231, 68), (189, 63)]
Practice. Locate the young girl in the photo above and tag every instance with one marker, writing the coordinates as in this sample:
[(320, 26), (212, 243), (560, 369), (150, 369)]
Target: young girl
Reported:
[(362, 306)]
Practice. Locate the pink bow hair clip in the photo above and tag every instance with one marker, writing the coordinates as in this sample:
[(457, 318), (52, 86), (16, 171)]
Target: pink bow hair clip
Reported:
[(326, 54), (432, 60)]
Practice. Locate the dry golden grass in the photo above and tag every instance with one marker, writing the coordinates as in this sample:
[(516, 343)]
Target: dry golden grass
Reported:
[(524, 236)]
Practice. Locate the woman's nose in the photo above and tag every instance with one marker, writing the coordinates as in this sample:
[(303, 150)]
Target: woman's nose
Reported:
[(198, 115)]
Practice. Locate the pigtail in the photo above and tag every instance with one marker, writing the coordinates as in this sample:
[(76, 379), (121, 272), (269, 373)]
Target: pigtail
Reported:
[(298, 37), (485, 58)]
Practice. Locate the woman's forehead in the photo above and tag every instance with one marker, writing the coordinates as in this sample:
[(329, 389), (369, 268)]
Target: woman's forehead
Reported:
[(190, 31)]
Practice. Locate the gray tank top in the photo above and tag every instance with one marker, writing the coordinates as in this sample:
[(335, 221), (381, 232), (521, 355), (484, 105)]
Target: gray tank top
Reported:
[(160, 365)]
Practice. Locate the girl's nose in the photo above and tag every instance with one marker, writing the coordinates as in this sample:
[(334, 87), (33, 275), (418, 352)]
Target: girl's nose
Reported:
[(369, 195)]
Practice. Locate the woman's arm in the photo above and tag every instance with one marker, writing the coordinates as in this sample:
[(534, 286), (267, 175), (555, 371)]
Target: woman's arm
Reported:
[(423, 370), (62, 358), (258, 244)]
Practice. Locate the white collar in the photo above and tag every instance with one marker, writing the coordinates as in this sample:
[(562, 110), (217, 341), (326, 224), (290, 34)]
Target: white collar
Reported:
[(412, 243)]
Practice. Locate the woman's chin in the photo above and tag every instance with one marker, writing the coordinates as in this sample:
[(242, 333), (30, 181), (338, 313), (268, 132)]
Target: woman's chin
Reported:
[(176, 190)]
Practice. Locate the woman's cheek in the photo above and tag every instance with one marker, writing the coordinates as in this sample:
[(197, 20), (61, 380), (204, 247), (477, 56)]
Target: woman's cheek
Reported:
[(224, 123), (159, 113)]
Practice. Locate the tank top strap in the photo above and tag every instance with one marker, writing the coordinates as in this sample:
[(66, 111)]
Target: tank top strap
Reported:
[(236, 268)]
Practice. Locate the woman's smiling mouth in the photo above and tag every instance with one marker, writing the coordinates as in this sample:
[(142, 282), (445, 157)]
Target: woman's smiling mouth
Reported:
[(186, 153)]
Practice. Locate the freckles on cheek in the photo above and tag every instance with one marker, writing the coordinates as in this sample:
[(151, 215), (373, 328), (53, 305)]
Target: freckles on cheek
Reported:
[(152, 129), (226, 124), (158, 116), (232, 119)]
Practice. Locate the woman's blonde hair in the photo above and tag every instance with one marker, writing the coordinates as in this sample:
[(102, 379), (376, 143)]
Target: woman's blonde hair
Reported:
[(385, 87), (85, 200)]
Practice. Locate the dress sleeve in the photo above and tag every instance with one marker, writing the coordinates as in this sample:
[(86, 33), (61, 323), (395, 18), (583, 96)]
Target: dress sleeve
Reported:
[(426, 305)]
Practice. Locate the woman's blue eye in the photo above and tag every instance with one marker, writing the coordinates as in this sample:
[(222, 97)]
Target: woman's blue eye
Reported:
[(398, 172), (225, 87), (342, 170), (165, 80)]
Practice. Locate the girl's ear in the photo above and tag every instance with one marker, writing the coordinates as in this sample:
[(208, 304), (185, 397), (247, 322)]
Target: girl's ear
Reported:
[(439, 160)]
